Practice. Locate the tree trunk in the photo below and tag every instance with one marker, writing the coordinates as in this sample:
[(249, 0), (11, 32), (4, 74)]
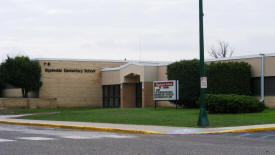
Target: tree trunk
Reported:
[(24, 92)]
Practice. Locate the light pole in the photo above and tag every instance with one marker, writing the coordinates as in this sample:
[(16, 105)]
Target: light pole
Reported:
[(203, 119)]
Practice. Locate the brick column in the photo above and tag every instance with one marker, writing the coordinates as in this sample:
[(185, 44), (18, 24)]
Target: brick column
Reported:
[(147, 95)]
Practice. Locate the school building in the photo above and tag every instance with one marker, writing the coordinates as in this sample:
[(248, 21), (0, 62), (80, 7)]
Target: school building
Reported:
[(124, 84)]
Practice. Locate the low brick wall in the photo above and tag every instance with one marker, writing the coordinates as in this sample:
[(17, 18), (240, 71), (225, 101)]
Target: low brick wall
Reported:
[(166, 104), (16, 93), (28, 102), (269, 101)]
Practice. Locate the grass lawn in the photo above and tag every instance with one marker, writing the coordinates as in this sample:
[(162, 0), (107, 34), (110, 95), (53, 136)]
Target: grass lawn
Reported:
[(150, 116)]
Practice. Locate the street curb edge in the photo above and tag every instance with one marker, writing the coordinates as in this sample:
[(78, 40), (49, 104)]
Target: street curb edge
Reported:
[(102, 129), (90, 128)]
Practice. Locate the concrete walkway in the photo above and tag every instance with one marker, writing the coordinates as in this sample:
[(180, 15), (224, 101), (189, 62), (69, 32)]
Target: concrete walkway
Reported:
[(127, 128)]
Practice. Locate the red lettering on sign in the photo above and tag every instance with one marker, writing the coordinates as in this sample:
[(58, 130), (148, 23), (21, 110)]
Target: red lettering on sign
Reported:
[(164, 84)]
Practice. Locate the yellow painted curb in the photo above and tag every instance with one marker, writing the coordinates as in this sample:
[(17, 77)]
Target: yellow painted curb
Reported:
[(90, 128), (229, 131), (249, 130)]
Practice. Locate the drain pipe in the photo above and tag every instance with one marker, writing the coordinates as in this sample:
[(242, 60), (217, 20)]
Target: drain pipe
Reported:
[(262, 77)]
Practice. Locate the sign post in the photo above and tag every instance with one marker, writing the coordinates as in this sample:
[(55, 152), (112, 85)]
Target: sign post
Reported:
[(203, 119), (165, 91)]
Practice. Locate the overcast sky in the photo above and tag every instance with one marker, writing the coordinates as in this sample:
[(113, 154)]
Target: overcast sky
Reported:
[(164, 30)]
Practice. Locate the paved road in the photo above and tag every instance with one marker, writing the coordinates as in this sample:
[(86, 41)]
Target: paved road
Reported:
[(25, 140), (268, 135)]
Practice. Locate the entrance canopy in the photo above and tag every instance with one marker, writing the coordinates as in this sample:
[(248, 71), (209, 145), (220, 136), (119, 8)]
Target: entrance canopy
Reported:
[(136, 83), (147, 72)]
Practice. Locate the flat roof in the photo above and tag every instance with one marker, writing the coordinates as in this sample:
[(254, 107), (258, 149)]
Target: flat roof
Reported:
[(242, 57), (148, 63), (78, 60), (101, 60)]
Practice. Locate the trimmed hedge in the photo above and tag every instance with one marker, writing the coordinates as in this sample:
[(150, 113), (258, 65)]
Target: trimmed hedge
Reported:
[(229, 78), (188, 74), (222, 78), (233, 104)]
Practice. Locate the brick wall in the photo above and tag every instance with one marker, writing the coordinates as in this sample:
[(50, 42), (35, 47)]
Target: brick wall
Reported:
[(147, 95), (28, 102), (74, 89)]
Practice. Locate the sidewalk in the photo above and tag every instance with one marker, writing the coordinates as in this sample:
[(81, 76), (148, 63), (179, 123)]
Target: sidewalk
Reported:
[(128, 128)]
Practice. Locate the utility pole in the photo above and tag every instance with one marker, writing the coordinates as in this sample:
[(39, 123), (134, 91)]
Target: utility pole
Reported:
[(203, 119)]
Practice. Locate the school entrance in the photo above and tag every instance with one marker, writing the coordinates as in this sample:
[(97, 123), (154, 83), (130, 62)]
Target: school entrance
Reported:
[(131, 93), (111, 96), (129, 86)]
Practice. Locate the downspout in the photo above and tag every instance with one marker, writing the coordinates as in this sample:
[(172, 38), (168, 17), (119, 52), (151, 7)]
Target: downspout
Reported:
[(262, 77)]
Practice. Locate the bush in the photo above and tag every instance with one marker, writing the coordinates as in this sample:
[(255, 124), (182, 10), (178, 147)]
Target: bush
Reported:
[(222, 78), (229, 78), (233, 104), (21, 72), (188, 74)]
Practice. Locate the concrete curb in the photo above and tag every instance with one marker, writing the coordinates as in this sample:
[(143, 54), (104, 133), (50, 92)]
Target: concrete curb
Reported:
[(248, 130), (102, 129), (229, 131), (89, 128)]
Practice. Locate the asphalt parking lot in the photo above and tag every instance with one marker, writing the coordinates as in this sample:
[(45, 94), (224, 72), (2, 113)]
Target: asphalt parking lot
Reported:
[(28, 140)]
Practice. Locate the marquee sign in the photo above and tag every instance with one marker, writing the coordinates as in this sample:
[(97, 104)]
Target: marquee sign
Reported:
[(166, 90)]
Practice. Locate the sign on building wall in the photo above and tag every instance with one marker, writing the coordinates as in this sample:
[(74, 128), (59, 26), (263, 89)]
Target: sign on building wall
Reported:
[(166, 90), (66, 70)]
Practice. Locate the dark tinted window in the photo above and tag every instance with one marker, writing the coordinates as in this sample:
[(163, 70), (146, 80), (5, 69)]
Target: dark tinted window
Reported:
[(111, 96), (269, 86)]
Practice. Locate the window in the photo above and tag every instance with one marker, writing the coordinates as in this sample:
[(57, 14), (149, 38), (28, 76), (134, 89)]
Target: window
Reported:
[(269, 86), (111, 96)]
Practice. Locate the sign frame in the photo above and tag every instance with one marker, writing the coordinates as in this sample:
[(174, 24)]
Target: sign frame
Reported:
[(166, 85)]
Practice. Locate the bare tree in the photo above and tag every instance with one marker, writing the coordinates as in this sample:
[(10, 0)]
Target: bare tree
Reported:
[(222, 50)]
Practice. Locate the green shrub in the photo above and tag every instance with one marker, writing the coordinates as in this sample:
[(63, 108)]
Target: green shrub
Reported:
[(21, 72), (188, 74), (233, 104), (229, 78), (222, 78)]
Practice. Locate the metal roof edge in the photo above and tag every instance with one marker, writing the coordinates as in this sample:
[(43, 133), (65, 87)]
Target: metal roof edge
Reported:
[(240, 57), (270, 54), (138, 63), (80, 60)]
